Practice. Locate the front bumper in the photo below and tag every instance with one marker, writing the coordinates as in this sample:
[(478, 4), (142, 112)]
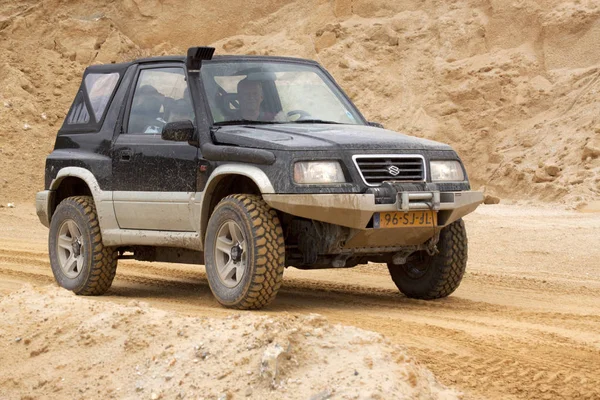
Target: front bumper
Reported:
[(42, 206), (356, 210)]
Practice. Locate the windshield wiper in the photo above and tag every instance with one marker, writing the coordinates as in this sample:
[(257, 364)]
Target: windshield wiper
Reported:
[(244, 122), (313, 121)]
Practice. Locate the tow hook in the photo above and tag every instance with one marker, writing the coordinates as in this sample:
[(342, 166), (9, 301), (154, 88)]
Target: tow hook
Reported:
[(431, 244)]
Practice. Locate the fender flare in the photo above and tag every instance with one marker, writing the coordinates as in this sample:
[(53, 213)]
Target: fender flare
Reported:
[(102, 198), (81, 173), (257, 175)]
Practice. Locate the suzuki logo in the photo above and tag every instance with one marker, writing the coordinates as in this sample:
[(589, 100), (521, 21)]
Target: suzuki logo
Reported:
[(393, 170)]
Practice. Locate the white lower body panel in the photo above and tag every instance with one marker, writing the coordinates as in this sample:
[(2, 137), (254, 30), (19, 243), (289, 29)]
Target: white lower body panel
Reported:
[(161, 211)]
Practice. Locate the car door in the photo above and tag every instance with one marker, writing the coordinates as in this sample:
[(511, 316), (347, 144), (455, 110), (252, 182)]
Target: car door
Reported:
[(154, 179)]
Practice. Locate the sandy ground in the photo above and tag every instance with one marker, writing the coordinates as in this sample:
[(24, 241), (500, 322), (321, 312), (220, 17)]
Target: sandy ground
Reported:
[(525, 323), (70, 347)]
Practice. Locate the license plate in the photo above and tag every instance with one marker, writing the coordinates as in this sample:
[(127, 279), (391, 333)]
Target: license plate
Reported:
[(397, 219)]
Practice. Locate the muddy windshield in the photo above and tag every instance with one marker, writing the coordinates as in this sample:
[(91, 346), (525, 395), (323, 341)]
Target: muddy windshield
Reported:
[(274, 92)]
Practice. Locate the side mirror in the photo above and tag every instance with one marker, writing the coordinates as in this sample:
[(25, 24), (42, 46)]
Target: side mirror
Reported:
[(178, 131), (375, 124)]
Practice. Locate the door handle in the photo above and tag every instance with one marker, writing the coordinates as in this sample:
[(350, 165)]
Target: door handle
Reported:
[(126, 155)]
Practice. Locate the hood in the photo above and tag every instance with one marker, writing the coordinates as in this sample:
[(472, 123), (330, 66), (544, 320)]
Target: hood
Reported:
[(321, 137)]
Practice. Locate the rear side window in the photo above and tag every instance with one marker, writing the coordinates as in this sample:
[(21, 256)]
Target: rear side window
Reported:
[(99, 88), (79, 113)]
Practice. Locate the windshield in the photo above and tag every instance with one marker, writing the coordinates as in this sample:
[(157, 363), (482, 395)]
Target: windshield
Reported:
[(274, 92)]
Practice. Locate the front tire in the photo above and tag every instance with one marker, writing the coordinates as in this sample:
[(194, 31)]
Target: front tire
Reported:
[(244, 252), (432, 277), (79, 260)]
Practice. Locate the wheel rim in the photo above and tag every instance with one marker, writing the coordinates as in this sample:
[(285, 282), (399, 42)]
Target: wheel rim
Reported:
[(69, 248), (230, 254)]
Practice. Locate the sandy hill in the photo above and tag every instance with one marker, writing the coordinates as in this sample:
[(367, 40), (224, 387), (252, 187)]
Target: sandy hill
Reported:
[(513, 86), (56, 345)]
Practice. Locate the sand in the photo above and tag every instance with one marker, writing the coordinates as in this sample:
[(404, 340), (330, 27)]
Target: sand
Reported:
[(56, 345), (524, 323)]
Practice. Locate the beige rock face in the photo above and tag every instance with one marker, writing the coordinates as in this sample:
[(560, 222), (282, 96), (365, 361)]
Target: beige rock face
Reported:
[(509, 85)]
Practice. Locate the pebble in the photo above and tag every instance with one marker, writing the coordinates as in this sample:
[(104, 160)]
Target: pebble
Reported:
[(489, 199), (591, 150), (324, 395), (552, 170), (26, 127), (269, 360), (540, 177), (233, 44), (18, 339), (248, 391)]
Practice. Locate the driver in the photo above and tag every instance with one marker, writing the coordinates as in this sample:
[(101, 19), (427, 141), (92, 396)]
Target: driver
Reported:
[(250, 96), (181, 110), (145, 115)]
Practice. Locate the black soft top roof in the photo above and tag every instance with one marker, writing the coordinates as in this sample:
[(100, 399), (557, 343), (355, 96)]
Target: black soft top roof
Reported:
[(104, 68)]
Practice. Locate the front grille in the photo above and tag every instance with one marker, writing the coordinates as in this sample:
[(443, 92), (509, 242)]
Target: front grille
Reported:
[(394, 168)]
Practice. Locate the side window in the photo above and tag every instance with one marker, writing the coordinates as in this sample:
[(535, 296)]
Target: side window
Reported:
[(79, 113), (99, 88), (161, 96)]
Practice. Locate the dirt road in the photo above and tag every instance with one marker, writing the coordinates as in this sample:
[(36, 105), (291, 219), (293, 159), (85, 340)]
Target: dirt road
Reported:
[(525, 323)]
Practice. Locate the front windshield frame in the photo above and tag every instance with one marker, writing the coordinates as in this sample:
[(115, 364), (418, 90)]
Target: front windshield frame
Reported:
[(322, 73)]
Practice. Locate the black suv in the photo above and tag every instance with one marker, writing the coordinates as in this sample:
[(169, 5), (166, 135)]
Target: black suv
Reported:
[(246, 164)]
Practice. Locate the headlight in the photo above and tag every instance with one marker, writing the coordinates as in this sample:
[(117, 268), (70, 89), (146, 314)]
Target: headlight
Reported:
[(446, 171), (318, 172)]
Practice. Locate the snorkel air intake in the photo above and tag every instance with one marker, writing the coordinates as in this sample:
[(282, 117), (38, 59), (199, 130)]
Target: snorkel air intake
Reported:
[(195, 55)]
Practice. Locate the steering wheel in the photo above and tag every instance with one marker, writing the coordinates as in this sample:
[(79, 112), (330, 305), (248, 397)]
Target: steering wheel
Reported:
[(227, 103), (301, 114)]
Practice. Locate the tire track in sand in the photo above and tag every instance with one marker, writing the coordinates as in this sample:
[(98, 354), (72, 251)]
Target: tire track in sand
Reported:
[(482, 348)]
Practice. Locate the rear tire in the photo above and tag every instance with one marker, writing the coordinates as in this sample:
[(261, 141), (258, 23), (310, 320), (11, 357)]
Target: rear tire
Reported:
[(432, 277), (244, 252), (79, 260)]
